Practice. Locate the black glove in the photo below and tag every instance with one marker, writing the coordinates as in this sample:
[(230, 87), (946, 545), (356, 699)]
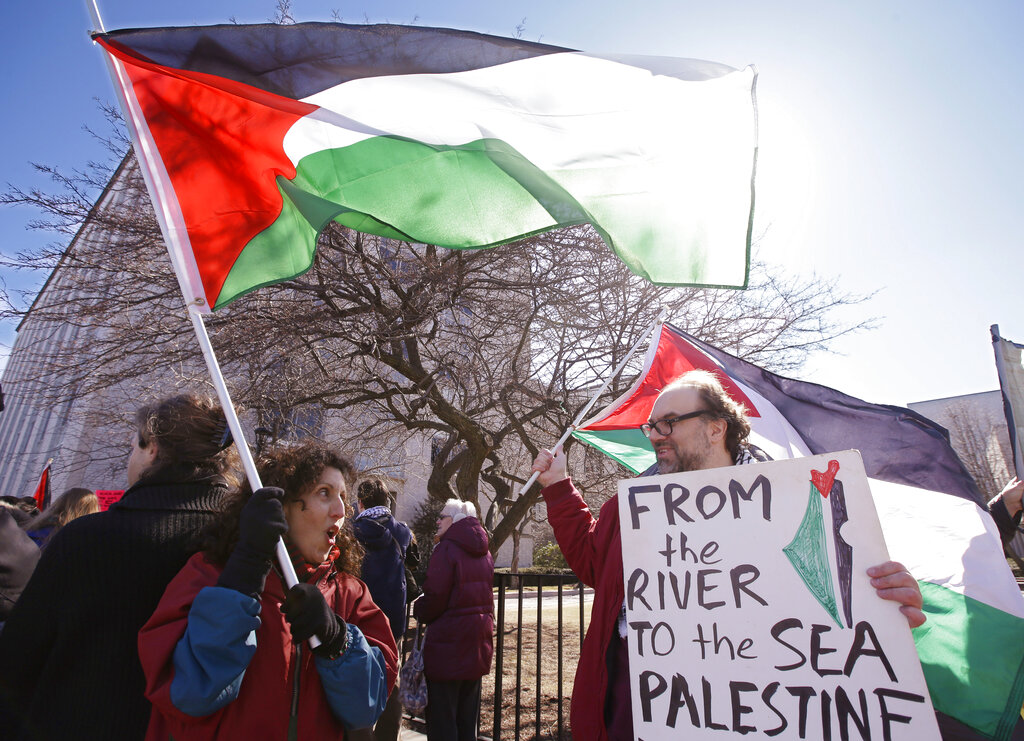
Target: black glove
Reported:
[(308, 614), (260, 525)]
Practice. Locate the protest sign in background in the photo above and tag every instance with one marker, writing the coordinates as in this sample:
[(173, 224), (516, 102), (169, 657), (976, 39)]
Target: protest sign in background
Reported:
[(107, 497), (749, 609)]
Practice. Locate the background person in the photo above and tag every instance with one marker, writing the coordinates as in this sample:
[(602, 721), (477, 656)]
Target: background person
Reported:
[(23, 509), (225, 653), (69, 667), (458, 605), (388, 544), (71, 505)]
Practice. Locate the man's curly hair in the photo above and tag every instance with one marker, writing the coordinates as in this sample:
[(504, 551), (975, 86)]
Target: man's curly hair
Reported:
[(719, 405)]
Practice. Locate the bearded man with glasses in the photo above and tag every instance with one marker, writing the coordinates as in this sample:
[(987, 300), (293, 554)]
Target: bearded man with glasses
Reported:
[(694, 425)]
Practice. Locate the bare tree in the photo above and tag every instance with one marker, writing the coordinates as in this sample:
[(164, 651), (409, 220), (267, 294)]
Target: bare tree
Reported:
[(974, 435), (485, 354)]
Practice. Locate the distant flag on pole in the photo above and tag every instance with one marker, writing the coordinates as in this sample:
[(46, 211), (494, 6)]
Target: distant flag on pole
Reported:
[(42, 495), (263, 134), (1010, 366), (931, 513)]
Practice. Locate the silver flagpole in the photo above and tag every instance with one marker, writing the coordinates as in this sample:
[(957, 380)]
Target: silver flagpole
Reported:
[(147, 157), (648, 335)]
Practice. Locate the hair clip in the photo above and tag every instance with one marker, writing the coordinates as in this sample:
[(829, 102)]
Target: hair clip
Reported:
[(222, 436)]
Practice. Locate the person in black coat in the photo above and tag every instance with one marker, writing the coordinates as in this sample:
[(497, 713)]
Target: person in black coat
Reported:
[(69, 665), (389, 549)]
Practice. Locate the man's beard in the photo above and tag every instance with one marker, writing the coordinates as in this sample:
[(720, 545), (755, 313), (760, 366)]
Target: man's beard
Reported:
[(693, 459)]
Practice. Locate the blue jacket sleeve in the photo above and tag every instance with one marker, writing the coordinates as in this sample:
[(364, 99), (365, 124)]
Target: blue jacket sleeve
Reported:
[(356, 682), (211, 658)]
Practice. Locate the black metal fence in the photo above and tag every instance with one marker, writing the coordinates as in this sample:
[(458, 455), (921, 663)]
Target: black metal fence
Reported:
[(533, 655), (522, 586)]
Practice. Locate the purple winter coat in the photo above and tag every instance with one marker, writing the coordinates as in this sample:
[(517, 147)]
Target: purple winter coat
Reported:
[(458, 605)]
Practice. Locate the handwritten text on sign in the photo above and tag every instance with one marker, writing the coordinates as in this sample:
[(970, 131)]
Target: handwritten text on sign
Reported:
[(749, 609)]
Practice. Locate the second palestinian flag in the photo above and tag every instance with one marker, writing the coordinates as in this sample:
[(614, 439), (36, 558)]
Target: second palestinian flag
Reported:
[(929, 507)]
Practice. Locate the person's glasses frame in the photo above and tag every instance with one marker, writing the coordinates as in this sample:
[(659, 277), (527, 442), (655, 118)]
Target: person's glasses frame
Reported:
[(664, 426)]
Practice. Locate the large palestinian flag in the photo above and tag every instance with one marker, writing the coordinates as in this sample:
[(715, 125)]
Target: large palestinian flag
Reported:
[(931, 512), (255, 137)]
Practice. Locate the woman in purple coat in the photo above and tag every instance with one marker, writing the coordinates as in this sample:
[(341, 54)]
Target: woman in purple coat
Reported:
[(458, 605)]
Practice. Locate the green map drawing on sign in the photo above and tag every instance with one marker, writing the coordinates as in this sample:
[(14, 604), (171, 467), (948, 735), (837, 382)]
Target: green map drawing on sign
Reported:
[(809, 555)]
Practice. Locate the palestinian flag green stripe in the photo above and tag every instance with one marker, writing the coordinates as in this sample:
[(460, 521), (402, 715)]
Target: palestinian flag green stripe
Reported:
[(628, 447), (498, 191), (960, 636)]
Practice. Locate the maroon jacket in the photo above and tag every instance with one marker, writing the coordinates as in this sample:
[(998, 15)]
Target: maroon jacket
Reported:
[(593, 549), (458, 605), (270, 693)]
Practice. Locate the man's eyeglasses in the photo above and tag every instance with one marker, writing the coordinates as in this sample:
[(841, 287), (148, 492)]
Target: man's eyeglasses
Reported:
[(664, 426)]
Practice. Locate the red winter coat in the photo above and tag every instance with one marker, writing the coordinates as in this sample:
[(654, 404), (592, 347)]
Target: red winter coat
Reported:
[(593, 549), (458, 605), (263, 707)]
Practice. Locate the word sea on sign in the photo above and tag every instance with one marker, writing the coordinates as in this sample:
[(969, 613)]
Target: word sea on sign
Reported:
[(749, 609)]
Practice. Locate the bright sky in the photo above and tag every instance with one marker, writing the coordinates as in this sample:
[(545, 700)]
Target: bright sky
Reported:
[(891, 154)]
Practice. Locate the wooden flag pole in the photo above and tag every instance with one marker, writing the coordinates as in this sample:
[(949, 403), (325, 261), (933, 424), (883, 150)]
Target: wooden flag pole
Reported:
[(648, 335), (154, 176)]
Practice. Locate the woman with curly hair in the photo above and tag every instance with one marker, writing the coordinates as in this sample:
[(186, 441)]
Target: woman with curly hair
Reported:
[(225, 653)]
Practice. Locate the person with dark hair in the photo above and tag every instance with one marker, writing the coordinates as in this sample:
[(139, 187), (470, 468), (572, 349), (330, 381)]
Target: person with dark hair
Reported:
[(71, 505), (694, 425), (225, 652), (389, 547), (28, 507), (458, 607), (69, 666), (17, 511)]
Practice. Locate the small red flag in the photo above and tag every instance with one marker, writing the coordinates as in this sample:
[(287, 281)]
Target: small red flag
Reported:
[(42, 495)]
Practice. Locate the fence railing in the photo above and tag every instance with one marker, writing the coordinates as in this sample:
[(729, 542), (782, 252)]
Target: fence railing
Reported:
[(540, 621), (529, 592)]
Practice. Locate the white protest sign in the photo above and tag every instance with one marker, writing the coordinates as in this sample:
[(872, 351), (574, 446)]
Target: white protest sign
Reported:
[(749, 609)]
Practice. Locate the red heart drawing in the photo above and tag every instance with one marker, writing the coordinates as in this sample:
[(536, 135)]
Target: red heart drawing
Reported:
[(823, 481)]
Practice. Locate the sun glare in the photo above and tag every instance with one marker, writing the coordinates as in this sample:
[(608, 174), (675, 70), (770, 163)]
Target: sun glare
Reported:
[(785, 185)]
